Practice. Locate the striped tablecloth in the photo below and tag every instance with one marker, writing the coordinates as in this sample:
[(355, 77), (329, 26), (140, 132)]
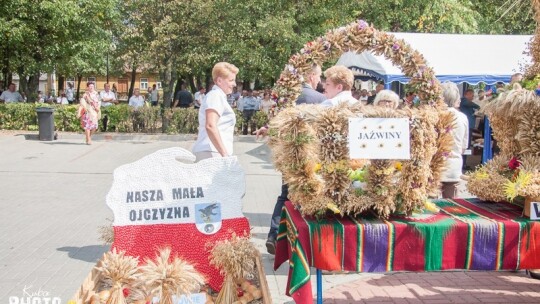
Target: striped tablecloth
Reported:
[(466, 234)]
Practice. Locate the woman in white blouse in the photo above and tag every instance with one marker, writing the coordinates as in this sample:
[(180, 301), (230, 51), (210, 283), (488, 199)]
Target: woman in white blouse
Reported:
[(460, 132), (216, 117), (61, 99), (267, 103)]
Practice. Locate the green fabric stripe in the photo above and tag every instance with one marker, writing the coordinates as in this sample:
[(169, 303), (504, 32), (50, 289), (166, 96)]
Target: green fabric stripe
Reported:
[(391, 245), (342, 245), (359, 241), (300, 275), (501, 246), (434, 241), (469, 246)]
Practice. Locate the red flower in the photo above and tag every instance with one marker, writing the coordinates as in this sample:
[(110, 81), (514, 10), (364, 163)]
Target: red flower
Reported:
[(514, 163), (125, 291)]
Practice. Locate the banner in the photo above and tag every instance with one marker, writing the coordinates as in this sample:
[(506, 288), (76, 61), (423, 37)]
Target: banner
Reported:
[(166, 200)]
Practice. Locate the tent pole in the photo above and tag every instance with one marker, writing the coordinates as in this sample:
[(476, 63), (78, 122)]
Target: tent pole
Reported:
[(487, 153)]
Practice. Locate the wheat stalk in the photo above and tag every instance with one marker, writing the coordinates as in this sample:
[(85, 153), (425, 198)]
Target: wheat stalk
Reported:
[(121, 270), (167, 276)]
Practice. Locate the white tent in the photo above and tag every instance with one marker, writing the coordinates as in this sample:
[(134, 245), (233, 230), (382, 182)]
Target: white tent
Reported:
[(456, 58)]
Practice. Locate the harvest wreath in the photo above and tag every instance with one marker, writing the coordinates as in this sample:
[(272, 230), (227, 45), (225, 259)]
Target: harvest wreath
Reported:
[(514, 174), (310, 145)]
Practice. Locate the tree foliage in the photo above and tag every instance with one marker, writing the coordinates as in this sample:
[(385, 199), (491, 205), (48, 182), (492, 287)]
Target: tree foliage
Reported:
[(450, 16), (184, 39), (69, 36)]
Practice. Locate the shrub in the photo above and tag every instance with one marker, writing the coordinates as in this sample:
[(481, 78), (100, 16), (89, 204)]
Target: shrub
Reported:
[(121, 118)]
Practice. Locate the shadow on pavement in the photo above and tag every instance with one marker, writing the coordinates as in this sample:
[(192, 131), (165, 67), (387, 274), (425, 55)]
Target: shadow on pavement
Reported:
[(29, 136), (90, 253), (262, 152), (268, 263), (438, 287)]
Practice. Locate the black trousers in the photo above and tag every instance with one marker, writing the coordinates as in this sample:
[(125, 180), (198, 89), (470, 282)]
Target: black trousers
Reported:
[(248, 117), (276, 215), (105, 120), (464, 157)]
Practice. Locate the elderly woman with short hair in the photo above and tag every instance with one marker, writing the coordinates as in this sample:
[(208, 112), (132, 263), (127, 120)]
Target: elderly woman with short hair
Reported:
[(387, 99), (338, 84), (460, 133)]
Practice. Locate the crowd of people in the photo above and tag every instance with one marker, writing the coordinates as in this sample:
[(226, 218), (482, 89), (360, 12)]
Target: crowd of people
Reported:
[(336, 88)]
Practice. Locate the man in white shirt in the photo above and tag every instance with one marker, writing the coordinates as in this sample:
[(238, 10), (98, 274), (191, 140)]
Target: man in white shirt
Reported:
[(364, 96), (199, 97), (108, 97), (154, 96), (11, 96), (136, 100), (70, 93)]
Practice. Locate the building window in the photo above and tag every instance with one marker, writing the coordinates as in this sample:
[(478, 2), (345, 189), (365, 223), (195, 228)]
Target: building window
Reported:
[(91, 79), (144, 83), (70, 82), (159, 85)]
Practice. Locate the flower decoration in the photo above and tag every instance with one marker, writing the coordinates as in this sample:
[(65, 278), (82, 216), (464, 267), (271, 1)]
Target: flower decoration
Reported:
[(514, 173), (513, 187), (513, 164), (362, 24)]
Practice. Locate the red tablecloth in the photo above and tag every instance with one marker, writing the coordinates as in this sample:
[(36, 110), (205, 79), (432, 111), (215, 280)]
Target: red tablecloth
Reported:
[(466, 234)]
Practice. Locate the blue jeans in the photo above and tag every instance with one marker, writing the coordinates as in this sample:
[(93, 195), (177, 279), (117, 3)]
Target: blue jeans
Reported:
[(276, 215)]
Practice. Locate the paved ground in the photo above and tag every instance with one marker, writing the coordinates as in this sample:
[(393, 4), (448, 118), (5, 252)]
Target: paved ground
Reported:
[(52, 200)]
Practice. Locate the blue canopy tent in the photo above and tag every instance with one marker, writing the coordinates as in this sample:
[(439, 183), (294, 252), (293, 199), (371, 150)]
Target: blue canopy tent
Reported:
[(468, 59), (457, 58)]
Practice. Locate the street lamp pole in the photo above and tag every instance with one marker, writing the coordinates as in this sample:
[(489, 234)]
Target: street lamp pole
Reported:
[(107, 67)]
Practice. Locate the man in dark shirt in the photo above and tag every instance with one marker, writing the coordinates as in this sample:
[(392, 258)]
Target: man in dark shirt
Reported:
[(310, 96), (468, 107), (183, 98), (378, 88), (250, 105)]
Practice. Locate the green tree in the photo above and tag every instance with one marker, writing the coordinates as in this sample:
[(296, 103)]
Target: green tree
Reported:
[(450, 16), (260, 36), (427, 16), (505, 17), (48, 35)]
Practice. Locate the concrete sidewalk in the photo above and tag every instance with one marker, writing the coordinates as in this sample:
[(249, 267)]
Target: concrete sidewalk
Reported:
[(52, 201)]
